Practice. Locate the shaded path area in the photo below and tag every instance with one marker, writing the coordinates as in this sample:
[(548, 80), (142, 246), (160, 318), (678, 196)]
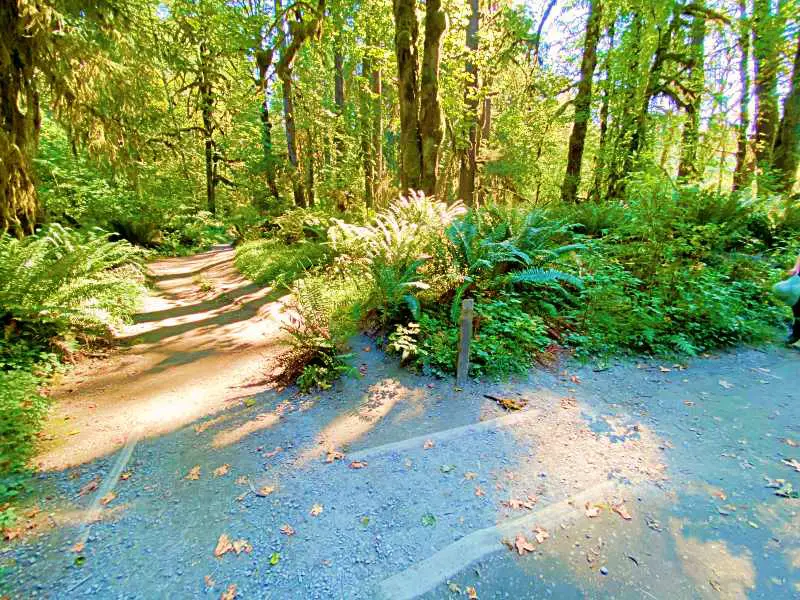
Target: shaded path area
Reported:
[(203, 341), (643, 480)]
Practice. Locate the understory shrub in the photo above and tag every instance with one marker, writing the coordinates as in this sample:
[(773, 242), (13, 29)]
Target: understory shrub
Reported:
[(668, 270), (58, 289)]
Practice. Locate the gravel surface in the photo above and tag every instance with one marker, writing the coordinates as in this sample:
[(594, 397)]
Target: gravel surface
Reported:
[(686, 451)]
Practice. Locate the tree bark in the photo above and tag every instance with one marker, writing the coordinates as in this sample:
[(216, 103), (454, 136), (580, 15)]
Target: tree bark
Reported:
[(688, 168), (786, 155), (284, 71), (338, 98), (740, 174), (410, 144), (430, 117), (766, 53), (583, 105), (466, 175), (600, 157), (377, 123), (367, 159), (19, 136), (206, 90)]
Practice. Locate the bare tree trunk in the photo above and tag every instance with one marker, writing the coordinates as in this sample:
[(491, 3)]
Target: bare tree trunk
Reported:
[(583, 105), (430, 116), (284, 71), (377, 123), (600, 158), (786, 155), (19, 136), (207, 109), (766, 52), (740, 175), (309, 154), (269, 157), (367, 159), (338, 98), (405, 42), (688, 167), (466, 174)]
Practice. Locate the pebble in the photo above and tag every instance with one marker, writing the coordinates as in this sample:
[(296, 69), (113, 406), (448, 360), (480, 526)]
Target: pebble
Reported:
[(603, 571)]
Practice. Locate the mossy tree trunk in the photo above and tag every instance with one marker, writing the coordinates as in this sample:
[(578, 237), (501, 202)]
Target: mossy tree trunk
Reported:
[(468, 167), (786, 155), (405, 43), (430, 116), (583, 105)]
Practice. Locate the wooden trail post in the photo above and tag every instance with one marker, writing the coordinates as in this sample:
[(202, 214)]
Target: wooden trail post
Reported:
[(464, 341)]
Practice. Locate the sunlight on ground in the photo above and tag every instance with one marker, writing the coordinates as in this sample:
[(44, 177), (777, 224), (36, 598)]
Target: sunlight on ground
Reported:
[(258, 423), (378, 402), (192, 357), (716, 570)]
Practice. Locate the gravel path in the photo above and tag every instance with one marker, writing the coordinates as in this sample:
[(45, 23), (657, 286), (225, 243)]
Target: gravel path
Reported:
[(641, 480)]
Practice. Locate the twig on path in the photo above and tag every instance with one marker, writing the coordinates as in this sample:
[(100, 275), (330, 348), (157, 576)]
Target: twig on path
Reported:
[(79, 584)]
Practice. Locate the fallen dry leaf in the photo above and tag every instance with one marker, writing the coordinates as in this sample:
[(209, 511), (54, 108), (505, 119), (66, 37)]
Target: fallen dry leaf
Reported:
[(592, 510), (664, 369), (240, 546), (242, 480), (541, 535), (792, 462), (790, 442), (472, 594), (108, 498), (208, 581), (89, 487), (287, 529), (193, 474), (622, 511), (470, 475), (523, 545), (726, 384), (316, 510), (223, 545), (12, 533), (125, 476), (78, 548), (517, 504), (230, 593), (358, 464), (274, 452), (428, 444), (265, 490), (719, 494), (479, 491), (333, 455), (222, 470)]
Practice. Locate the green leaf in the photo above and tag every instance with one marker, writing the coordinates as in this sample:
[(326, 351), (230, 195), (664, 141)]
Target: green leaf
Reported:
[(428, 520), (274, 558)]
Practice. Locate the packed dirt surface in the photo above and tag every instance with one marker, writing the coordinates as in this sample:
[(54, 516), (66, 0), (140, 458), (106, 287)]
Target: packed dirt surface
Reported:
[(629, 480), (204, 339)]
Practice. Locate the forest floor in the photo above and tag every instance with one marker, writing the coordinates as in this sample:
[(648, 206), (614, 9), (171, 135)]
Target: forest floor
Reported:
[(636, 479)]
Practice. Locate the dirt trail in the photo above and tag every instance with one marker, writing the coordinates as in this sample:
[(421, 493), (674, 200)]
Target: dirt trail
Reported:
[(204, 338)]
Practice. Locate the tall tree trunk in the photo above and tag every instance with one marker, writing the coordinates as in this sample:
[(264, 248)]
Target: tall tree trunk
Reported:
[(596, 191), (639, 138), (284, 71), (766, 53), (786, 155), (338, 98), (405, 42), (19, 136), (207, 110), (583, 105), (466, 174), (377, 123), (264, 61), (269, 156), (688, 167), (367, 158), (309, 154), (430, 116), (740, 175)]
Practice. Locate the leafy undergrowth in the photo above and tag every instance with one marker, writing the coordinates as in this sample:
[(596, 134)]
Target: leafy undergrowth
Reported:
[(668, 272), (59, 290)]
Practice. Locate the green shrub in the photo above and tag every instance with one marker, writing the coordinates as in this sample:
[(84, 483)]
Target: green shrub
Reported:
[(273, 262), (62, 280), (21, 412)]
